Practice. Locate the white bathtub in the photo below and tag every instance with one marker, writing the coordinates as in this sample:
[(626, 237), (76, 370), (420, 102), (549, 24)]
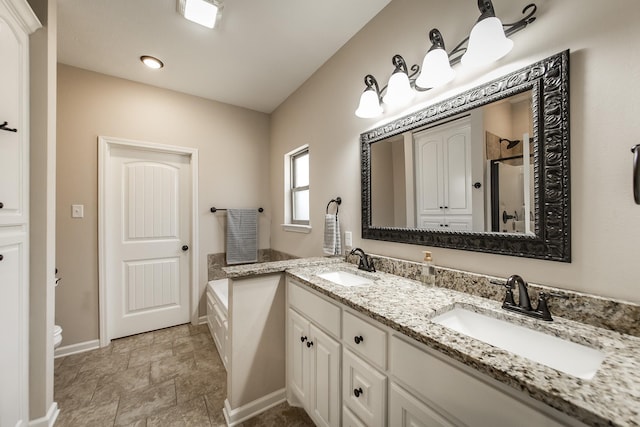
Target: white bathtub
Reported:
[(217, 309)]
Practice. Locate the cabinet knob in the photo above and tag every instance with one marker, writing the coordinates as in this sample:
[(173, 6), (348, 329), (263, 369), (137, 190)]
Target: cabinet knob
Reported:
[(309, 344), (185, 248), (357, 391), (303, 339), (358, 339), (441, 207), (1, 205), (446, 225), (1, 257)]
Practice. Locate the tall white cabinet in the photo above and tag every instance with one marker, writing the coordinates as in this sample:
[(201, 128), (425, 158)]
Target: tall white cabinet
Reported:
[(443, 176), (17, 21)]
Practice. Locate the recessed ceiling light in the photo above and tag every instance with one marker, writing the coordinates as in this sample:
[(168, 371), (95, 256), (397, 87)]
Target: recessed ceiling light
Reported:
[(203, 12), (151, 62)]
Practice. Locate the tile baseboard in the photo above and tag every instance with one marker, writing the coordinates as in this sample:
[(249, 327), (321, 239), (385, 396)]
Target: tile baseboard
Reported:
[(80, 347)]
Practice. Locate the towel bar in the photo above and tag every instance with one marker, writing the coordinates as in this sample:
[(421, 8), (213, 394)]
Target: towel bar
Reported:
[(214, 210)]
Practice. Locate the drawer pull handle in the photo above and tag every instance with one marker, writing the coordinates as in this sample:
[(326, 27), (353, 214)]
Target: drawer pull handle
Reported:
[(358, 339), (309, 344), (303, 339), (357, 391)]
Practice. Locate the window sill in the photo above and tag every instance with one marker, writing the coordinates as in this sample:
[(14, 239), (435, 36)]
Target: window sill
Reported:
[(297, 228)]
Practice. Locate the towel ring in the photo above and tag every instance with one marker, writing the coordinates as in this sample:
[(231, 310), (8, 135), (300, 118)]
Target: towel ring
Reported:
[(337, 201)]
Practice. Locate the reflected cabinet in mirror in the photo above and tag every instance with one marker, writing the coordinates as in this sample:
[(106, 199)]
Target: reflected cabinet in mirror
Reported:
[(486, 170)]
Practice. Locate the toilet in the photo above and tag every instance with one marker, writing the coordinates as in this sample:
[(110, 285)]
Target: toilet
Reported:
[(57, 336)]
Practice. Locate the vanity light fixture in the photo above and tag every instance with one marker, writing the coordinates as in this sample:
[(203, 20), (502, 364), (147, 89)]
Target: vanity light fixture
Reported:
[(151, 62), (203, 12), (399, 91), (436, 69), (487, 42), (370, 99)]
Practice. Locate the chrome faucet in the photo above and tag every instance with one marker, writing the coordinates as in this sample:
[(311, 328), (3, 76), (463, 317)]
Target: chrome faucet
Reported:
[(524, 302), (365, 263)]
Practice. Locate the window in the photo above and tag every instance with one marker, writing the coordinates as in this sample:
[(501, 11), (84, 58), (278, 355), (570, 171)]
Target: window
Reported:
[(299, 189)]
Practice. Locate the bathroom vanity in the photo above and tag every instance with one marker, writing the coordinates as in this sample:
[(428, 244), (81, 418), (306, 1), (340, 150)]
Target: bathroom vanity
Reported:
[(370, 354)]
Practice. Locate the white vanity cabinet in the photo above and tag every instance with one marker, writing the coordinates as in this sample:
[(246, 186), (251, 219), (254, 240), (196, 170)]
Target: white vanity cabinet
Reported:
[(313, 355), (17, 21), (389, 379)]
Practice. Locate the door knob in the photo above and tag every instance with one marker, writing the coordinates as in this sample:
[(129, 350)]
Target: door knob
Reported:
[(185, 248)]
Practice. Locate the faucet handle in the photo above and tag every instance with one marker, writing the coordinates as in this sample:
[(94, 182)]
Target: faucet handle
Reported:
[(508, 297), (543, 308), (372, 267)]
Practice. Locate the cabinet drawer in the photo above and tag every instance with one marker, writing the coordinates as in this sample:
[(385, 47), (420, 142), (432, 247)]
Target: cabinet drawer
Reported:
[(364, 390), (365, 339), (320, 311)]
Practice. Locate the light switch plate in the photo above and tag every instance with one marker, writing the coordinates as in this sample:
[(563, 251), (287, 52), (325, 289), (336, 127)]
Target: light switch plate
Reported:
[(348, 241), (77, 211)]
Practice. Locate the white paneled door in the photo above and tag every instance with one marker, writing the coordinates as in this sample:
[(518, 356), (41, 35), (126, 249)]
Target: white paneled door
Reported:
[(148, 231)]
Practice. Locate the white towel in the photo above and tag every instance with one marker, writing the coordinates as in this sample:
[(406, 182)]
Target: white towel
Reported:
[(332, 245), (242, 236)]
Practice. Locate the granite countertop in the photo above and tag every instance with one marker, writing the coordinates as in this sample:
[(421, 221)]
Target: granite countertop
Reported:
[(244, 270), (612, 397)]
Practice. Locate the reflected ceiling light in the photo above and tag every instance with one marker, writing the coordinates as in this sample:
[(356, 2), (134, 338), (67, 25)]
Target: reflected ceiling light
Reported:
[(436, 69), (487, 42), (151, 62), (203, 12), (370, 99)]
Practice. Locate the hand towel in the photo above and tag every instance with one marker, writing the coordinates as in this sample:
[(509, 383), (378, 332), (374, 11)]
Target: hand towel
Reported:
[(242, 236), (332, 245)]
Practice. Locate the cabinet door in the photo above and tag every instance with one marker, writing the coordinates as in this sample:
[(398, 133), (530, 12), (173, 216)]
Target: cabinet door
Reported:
[(350, 420), (364, 390), (407, 411), (298, 356), (457, 169), (429, 174), (13, 331), (324, 397)]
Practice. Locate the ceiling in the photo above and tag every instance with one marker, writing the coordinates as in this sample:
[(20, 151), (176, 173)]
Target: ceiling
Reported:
[(259, 53)]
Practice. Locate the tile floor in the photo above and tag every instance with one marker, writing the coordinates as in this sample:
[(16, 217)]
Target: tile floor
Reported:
[(170, 377)]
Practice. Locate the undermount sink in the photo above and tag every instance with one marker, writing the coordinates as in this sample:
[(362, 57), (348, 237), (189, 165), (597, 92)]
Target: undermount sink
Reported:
[(557, 353), (344, 278)]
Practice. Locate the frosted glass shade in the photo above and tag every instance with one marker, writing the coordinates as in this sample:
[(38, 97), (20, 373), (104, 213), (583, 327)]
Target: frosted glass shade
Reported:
[(436, 70), (399, 90), (487, 43), (369, 105)]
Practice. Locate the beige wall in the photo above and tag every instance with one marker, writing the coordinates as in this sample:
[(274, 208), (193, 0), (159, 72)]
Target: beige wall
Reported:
[(605, 70), (233, 144)]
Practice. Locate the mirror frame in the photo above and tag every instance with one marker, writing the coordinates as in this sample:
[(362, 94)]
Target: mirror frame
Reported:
[(549, 81)]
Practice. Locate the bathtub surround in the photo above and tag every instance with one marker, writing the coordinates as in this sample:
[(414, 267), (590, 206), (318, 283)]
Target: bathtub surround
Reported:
[(608, 313)]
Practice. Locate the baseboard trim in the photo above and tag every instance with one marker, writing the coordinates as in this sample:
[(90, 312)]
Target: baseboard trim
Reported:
[(49, 419), (235, 416), (76, 348)]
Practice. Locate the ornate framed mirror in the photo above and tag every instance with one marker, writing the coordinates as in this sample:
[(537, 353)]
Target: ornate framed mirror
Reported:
[(486, 170)]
